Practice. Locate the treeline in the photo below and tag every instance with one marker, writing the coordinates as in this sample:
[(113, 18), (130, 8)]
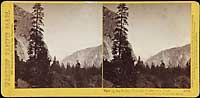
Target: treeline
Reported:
[(37, 71), (75, 76), (57, 76), (140, 75)]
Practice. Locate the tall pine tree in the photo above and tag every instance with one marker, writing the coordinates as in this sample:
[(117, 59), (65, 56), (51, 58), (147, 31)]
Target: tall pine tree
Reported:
[(122, 58), (120, 49), (38, 61)]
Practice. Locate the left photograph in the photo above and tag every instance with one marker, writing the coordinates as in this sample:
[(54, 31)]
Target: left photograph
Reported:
[(58, 45)]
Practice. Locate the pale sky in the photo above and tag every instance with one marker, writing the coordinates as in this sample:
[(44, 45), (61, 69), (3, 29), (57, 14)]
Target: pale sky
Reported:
[(70, 27), (155, 27)]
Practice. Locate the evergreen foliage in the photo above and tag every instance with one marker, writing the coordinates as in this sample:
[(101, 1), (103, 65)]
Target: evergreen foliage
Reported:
[(121, 50)]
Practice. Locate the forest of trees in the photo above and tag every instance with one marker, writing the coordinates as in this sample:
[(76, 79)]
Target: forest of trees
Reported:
[(124, 71), (147, 76), (39, 71)]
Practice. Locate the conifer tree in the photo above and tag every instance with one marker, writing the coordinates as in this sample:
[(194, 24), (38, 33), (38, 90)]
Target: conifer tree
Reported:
[(38, 61), (120, 49), (187, 68), (153, 69), (63, 68), (55, 66), (122, 58)]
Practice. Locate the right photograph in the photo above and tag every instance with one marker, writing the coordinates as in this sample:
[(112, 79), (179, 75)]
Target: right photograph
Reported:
[(146, 45)]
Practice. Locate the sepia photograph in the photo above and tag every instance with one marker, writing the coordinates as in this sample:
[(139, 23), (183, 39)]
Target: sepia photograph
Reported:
[(58, 45), (146, 45), (61, 45), (100, 48)]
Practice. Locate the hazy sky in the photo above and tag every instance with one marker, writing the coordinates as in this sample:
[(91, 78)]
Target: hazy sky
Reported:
[(70, 27), (155, 27)]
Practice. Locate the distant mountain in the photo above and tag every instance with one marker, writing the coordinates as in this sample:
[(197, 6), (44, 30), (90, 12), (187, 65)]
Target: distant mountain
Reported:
[(87, 57), (172, 57), (93, 55), (23, 26), (109, 25)]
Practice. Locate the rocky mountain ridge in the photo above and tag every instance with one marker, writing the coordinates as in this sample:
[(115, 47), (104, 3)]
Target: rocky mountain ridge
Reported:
[(86, 57), (172, 57), (23, 26)]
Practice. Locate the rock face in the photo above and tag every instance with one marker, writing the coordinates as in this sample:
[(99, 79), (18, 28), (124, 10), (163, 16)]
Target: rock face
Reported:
[(87, 57), (172, 57), (22, 34), (109, 25), (22, 84), (107, 84), (23, 26)]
